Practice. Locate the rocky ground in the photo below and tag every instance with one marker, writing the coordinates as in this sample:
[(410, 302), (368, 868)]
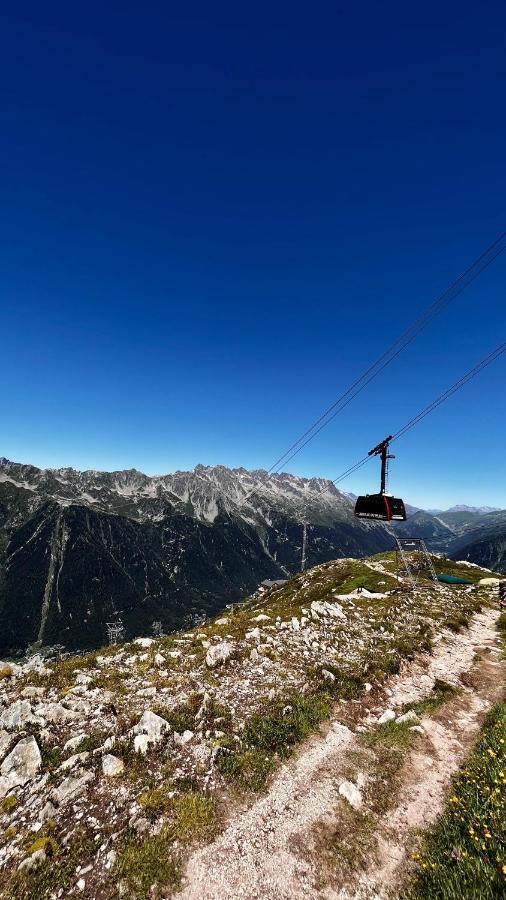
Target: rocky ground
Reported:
[(114, 765)]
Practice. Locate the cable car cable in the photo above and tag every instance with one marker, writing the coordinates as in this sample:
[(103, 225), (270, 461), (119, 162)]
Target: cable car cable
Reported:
[(407, 337), (486, 361)]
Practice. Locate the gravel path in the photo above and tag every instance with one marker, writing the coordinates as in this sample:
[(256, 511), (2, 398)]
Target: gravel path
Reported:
[(256, 856)]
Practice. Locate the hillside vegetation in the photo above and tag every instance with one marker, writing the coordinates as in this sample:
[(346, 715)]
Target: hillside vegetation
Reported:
[(115, 763)]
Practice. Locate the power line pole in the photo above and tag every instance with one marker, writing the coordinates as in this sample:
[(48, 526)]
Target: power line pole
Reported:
[(304, 546)]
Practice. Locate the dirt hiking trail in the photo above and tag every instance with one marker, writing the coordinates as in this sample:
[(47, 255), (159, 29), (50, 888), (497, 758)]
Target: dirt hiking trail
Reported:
[(269, 851)]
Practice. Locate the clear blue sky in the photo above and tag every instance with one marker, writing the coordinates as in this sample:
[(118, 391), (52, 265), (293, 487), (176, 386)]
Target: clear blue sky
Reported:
[(214, 216)]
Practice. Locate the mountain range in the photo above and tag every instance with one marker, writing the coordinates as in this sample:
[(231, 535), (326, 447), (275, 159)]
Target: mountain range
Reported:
[(81, 549)]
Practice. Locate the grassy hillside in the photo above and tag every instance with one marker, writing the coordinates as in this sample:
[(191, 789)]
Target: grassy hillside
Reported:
[(234, 697)]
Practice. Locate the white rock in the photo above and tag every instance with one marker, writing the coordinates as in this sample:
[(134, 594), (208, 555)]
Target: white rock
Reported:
[(73, 761), (146, 692), (74, 742), (261, 618), (218, 654), (295, 624), (253, 635), (81, 884), (5, 741), (351, 793), (388, 716), (31, 862), (181, 739), (141, 743), (418, 729), (159, 660), (20, 766), (409, 716), (47, 812), (223, 621), (18, 715), (254, 656), (150, 729), (328, 676), (110, 859), (109, 742), (71, 787), (30, 691), (112, 765), (144, 642), (55, 713), (174, 654)]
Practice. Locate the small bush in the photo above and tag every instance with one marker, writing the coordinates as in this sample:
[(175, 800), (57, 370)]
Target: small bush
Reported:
[(156, 800), (9, 803), (5, 672)]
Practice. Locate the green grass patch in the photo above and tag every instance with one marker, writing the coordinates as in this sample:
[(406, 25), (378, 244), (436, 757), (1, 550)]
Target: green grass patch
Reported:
[(194, 817), (390, 734), (464, 854), (250, 769), (9, 803), (285, 723), (271, 733), (146, 864), (441, 692)]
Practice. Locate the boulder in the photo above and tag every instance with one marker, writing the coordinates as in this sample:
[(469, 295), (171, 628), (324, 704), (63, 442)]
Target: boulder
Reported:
[(144, 642), (18, 715), (253, 635), (20, 766), (149, 730), (47, 813), (5, 741), (112, 765), (74, 742), (328, 676), (218, 654), (33, 861), (55, 713)]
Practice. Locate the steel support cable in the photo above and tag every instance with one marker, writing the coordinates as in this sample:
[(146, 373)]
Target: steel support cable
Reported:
[(405, 339), (435, 403), (455, 387)]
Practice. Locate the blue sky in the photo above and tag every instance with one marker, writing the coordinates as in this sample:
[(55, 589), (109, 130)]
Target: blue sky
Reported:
[(214, 217)]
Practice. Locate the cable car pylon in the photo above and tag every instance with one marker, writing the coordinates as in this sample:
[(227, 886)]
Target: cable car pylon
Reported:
[(383, 505)]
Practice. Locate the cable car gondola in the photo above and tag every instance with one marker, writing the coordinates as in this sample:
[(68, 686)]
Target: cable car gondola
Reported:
[(381, 506)]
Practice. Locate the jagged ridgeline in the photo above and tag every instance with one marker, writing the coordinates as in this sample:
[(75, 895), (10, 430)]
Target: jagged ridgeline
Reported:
[(80, 549)]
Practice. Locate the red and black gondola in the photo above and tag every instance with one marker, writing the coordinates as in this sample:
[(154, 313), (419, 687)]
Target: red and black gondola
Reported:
[(381, 506)]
